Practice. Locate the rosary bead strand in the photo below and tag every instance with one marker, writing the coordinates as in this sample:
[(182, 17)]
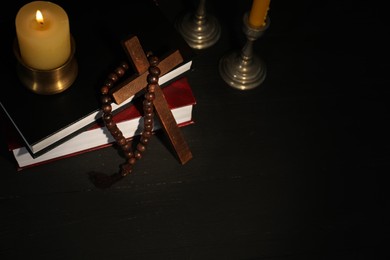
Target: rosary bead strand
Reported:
[(148, 113)]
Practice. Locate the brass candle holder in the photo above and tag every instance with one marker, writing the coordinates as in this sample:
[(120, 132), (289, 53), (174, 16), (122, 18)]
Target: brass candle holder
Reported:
[(47, 82), (244, 69)]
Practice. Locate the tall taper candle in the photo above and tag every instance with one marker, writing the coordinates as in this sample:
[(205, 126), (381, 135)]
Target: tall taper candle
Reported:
[(258, 13), (44, 42)]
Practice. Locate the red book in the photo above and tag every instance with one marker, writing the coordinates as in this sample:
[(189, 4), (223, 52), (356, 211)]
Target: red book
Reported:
[(180, 99)]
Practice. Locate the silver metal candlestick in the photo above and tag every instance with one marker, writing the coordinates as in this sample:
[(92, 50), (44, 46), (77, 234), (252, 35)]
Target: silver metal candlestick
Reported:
[(243, 69), (200, 29)]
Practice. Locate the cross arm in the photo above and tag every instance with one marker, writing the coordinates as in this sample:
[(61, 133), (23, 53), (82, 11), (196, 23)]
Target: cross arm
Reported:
[(133, 85)]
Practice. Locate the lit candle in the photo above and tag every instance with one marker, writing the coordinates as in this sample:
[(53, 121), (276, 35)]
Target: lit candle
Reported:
[(258, 13), (42, 30)]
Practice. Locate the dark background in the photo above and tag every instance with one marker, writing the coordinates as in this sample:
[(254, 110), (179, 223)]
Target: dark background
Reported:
[(294, 169)]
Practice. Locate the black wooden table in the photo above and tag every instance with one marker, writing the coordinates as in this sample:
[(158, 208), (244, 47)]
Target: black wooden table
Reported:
[(294, 169)]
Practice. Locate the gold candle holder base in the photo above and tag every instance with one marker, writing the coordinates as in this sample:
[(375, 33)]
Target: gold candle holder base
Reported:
[(47, 82)]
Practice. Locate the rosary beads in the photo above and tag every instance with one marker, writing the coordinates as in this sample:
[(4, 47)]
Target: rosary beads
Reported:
[(132, 155)]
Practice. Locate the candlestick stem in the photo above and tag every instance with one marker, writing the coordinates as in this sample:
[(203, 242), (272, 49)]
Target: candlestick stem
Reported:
[(200, 29), (244, 69)]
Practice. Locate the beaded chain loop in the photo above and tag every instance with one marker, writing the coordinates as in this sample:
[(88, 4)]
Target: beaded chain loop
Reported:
[(132, 156)]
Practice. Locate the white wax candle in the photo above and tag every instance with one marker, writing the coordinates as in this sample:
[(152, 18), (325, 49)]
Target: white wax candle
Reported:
[(46, 44)]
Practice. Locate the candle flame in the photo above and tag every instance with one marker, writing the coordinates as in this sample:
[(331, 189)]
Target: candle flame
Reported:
[(39, 17)]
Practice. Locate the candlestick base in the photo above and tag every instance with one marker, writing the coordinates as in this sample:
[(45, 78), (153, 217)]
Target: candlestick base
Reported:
[(241, 74), (47, 82), (200, 29), (243, 69), (199, 32)]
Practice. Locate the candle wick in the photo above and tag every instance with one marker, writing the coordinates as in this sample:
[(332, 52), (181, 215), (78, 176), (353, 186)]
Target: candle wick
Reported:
[(39, 17)]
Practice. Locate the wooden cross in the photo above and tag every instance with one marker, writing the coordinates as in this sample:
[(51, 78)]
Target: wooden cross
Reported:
[(136, 83)]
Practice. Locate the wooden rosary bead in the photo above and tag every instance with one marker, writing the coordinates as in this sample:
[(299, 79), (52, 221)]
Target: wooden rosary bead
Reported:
[(154, 70), (124, 65), (141, 147), (106, 108), (107, 117), (109, 83), (148, 109), (148, 120), (110, 125), (152, 79), (148, 127), (137, 155), (132, 160), (150, 96), (147, 103), (126, 148), (147, 133), (153, 60), (104, 90), (121, 141), (126, 169), (128, 154), (121, 70), (105, 99), (113, 77), (115, 131), (151, 87), (144, 140), (118, 134), (149, 114)]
